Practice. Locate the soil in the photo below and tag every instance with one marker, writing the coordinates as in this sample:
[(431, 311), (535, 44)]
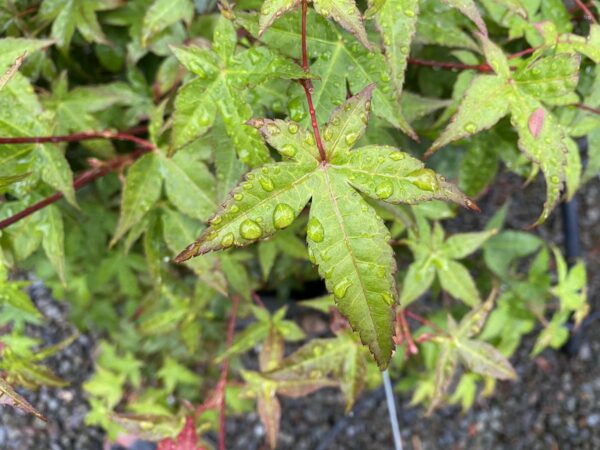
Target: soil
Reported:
[(555, 404)]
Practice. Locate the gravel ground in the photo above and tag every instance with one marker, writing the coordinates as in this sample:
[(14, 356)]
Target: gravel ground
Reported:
[(554, 405)]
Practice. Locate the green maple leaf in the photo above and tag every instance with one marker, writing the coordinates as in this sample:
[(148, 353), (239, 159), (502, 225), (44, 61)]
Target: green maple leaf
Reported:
[(221, 73), (346, 238), (343, 12), (436, 256), (541, 138), (70, 15), (338, 63)]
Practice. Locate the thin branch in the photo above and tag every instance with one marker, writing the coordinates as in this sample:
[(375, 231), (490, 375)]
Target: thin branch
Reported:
[(83, 179), (410, 343), (424, 321), (587, 108), (484, 68), (235, 300), (586, 12), (77, 137), (217, 397), (258, 300), (307, 85)]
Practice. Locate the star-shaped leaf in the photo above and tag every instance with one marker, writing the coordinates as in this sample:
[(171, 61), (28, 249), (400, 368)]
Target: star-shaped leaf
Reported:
[(347, 240), (71, 15), (337, 64), (541, 138), (221, 73), (434, 255), (343, 12)]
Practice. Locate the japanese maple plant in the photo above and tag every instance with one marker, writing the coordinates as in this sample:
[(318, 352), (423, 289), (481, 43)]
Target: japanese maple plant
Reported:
[(169, 167)]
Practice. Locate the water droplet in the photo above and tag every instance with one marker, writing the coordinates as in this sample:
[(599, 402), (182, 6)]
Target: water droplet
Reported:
[(311, 256), (309, 139), (384, 190), (424, 179), (363, 118), (317, 350), (368, 105), (555, 179), (216, 220), (273, 129), (211, 235), (315, 374), (247, 185), (470, 127), (314, 230), (249, 229), (341, 287), (288, 150), (396, 156), (250, 176), (293, 128), (238, 196), (351, 138), (283, 216), (409, 13), (387, 298), (296, 109), (234, 209), (227, 240), (266, 183)]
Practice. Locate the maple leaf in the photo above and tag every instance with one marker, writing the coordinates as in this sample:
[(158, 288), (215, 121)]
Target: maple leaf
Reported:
[(337, 63), (436, 256), (347, 240), (71, 15), (186, 440), (221, 73), (541, 138), (343, 12)]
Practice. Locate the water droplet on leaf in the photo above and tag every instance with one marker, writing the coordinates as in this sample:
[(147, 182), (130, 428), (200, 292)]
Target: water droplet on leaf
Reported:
[(249, 229), (341, 287), (266, 183), (384, 190), (424, 179), (283, 216), (227, 240), (314, 230)]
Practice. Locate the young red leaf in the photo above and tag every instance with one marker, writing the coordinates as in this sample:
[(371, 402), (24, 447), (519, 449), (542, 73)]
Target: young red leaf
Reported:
[(186, 440)]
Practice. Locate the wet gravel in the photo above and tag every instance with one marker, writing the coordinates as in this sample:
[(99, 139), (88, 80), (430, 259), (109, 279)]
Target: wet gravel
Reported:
[(555, 404)]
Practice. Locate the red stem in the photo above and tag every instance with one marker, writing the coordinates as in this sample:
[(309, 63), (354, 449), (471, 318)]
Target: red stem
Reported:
[(307, 85), (450, 65), (423, 320), (410, 344), (83, 179), (258, 300), (77, 137), (587, 108), (484, 67), (586, 12), (235, 300)]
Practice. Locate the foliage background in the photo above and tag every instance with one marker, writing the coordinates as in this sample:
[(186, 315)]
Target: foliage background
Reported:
[(110, 65)]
